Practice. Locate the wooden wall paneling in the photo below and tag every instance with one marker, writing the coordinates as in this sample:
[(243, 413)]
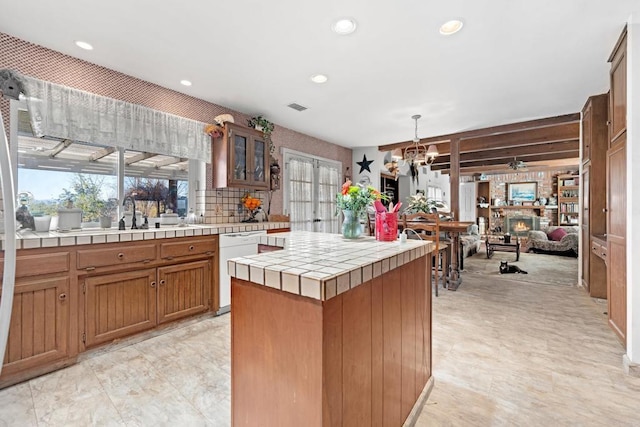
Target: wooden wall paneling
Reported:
[(356, 356), (377, 346), (407, 283), (392, 325), (332, 363), (277, 329)]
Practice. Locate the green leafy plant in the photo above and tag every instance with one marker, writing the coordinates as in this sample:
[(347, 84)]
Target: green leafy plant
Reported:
[(420, 203), (267, 129), (357, 197)]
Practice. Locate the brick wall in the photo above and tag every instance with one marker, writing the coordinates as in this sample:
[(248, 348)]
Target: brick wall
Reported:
[(547, 187), (46, 64)]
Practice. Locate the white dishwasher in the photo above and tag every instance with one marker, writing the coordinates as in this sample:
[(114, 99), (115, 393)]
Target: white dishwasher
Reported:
[(234, 245)]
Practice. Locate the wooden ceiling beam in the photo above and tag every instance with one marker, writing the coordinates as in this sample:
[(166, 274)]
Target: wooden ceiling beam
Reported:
[(510, 153), (531, 167), (60, 147), (533, 158), (101, 153), (138, 158), (170, 161), (546, 135), (494, 130)]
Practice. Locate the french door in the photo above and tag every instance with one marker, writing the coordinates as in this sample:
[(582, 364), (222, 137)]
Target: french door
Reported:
[(310, 188)]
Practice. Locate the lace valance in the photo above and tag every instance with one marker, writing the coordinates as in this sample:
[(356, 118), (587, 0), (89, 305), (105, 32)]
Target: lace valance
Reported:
[(67, 113)]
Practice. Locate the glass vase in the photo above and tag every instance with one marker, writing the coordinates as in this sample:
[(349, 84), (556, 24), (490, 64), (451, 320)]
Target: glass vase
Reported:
[(351, 227)]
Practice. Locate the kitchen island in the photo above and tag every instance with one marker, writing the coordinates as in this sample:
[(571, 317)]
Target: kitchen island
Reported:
[(331, 332)]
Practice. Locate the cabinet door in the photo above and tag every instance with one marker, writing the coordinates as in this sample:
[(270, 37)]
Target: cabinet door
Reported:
[(259, 163), (616, 238), (618, 93), (239, 157), (183, 290), (119, 304), (585, 250), (39, 329)]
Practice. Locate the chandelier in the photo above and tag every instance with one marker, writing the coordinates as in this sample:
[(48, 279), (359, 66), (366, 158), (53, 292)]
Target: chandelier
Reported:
[(417, 153)]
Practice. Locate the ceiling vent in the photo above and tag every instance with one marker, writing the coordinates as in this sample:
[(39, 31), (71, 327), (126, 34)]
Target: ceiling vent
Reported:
[(297, 107)]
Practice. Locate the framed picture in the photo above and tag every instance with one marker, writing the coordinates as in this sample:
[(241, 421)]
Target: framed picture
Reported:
[(522, 191)]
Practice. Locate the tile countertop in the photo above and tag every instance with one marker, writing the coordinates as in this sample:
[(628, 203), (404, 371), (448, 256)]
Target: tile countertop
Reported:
[(27, 239), (320, 265)]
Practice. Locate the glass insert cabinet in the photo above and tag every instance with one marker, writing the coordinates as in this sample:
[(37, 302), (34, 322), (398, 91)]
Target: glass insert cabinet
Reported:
[(240, 159)]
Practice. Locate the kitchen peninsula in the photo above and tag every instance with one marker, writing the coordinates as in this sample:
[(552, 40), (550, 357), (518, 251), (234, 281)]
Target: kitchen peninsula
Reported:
[(330, 332)]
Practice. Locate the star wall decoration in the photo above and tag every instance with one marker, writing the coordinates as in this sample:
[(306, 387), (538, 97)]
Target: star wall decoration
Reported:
[(364, 164)]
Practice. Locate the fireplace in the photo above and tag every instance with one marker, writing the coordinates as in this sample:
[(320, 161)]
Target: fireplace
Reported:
[(521, 224)]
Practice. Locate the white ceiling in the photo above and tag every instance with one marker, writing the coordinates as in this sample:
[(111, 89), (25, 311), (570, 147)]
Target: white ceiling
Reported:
[(513, 60)]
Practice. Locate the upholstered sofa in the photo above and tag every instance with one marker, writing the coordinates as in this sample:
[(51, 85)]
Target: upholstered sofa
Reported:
[(539, 241), (470, 241)]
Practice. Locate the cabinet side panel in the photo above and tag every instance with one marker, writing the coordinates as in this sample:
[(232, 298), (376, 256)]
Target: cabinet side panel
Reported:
[(276, 356)]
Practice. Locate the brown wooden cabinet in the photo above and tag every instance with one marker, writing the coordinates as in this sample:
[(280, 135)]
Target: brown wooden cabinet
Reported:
[(241, 159), (183, 290), (617, 192), (119, 304), (593, 189), (39, 329), (40, 333)]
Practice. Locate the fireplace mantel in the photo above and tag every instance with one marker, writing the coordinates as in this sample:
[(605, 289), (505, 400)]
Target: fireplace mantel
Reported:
[(538, 209)]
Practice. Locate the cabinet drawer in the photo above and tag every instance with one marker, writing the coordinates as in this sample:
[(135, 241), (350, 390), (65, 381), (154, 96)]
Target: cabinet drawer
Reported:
[(595, 248), (35, 265), (187, 247), (115, 256), (603, 252)]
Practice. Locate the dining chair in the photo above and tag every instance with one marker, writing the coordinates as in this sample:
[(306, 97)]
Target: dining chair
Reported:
[(426, 226)]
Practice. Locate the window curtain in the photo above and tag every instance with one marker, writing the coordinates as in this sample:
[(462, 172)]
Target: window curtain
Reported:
[(301, 194), (328, 186), (66, 113)]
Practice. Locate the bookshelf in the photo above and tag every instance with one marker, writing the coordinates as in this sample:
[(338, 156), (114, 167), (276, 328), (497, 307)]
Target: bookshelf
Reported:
[(568, 201)]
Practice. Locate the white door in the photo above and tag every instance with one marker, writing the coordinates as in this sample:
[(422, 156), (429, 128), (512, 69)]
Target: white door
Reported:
[(310, 188), (468, 201)]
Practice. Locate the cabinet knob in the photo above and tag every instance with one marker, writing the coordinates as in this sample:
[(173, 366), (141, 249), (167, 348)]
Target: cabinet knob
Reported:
[(120, 255), (153, 284), (162, 282), (604, 210), (62, 297), (191, 247)]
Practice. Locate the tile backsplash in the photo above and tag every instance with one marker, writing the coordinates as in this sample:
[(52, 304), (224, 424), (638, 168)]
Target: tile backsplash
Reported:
[(221, 205)]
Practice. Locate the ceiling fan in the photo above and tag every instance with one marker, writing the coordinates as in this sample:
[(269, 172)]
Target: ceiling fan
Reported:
[(517, 165)]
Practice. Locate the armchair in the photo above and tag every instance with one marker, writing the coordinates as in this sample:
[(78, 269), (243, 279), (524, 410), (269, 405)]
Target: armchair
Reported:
[(539, 242)]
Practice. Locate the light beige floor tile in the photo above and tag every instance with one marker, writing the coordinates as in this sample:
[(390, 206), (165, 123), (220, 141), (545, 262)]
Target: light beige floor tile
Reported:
[(16, 406)]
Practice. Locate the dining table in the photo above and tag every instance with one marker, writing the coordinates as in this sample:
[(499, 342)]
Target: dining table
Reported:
[(453, 230)]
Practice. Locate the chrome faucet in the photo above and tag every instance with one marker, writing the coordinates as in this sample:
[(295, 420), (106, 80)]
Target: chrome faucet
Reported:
[(134, 225)]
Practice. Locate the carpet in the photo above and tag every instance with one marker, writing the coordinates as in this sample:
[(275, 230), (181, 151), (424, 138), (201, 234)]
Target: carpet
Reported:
[(542, 268)]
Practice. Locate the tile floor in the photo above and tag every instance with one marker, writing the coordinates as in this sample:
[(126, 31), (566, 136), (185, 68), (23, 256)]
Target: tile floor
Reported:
[(506, 353)]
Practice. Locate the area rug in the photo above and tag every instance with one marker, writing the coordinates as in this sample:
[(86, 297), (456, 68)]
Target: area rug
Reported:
[(541, 268)]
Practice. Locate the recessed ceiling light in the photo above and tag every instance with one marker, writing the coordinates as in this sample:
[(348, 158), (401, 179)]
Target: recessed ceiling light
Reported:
[(83, 45), (344, 26), (185, 82), (319, 78), (451, 27)]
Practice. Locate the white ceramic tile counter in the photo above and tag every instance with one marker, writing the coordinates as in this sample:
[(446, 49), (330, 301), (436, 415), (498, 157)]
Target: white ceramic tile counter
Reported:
[(320, 265), (28, 239)]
